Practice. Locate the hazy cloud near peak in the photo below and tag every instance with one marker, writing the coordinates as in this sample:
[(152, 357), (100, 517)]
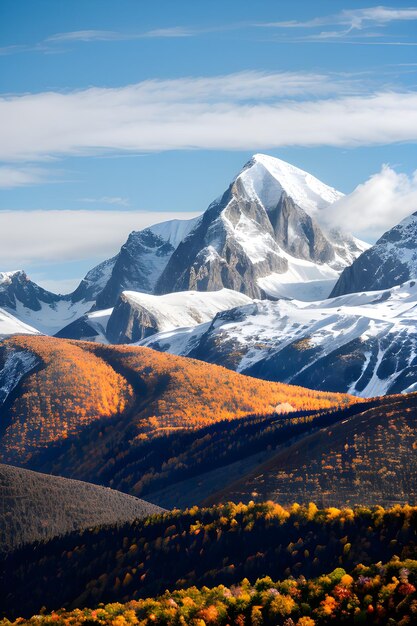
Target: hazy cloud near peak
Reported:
[(376, 205)]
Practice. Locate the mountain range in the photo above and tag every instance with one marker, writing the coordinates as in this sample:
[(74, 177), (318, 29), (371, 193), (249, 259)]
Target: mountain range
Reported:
[(266, 236), (245, 286)]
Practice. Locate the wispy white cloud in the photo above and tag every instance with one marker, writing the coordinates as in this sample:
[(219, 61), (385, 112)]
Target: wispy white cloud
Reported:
[(112, 200), (86, 35), (245, 111), (376, 205), (53, 43), (61, 235), (172, 32), (354, 18), (348, 22), (11, 177), (353, 24), (111, 35)]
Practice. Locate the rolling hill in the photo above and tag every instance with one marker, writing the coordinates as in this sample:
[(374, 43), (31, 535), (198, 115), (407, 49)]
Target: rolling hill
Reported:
[(36, 507), (368, 458), (113, 415)]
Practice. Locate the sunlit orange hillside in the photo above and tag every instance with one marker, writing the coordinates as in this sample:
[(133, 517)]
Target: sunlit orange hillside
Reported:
[(193, 393), (146, 393), (69, 389)]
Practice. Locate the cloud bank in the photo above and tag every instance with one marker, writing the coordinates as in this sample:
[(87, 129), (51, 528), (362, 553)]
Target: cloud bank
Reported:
[(245, 111)]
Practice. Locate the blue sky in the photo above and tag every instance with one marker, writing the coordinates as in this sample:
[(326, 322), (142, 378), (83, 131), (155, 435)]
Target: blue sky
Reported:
[(144, 110)]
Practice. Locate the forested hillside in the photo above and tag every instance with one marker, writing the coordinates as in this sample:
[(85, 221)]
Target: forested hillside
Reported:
[(67, 391), (376, 594), (370, 457), (221, 545)]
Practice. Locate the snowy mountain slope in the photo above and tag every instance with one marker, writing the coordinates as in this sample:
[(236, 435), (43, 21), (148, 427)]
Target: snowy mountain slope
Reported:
[(138, 315), (391, 261), (49, 319), (16, 288), (174, 231), (13, 367), (262, 226), (265, 178), (10, 325), (363, 343), (268, 178), (90, 327), (35, 308)]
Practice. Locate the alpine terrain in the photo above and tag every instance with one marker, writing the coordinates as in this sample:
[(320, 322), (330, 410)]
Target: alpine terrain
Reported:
[(265, 237)]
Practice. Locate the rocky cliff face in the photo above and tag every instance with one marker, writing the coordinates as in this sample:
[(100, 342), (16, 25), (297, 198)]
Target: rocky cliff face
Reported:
[(299, 234), (138, 266), (391, 261), (216, 254), (94, 281), (130, 322)]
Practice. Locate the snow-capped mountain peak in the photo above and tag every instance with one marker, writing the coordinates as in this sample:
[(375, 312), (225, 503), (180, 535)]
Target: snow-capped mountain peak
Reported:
[(265, 178), (6, 277), (253, 238)]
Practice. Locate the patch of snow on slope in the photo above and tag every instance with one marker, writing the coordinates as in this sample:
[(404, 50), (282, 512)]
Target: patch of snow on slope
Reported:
[(99, 275), (304, 280), (10, 325), (256, 243), (174, 231), (178, 341), (186, 308), (52, 317), (17, 365), (98, 320), (6, 277)]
